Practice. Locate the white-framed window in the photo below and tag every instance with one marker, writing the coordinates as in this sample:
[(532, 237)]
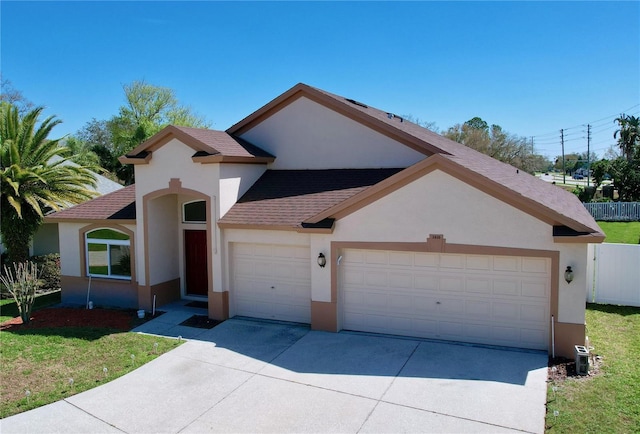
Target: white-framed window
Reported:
[(108, 254), (194, 212)]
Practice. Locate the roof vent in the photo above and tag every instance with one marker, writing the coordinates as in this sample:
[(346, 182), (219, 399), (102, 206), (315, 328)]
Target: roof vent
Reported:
[(353, 101)]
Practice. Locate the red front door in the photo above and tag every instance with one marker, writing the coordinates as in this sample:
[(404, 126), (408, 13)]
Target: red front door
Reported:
[(195, 255)]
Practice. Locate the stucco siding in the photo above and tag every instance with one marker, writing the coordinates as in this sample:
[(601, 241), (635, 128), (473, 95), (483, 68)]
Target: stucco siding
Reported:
[(163, 239), (307, 135), (70, 248), (441, 204), (235, 180), (45, 240), (173, 160)]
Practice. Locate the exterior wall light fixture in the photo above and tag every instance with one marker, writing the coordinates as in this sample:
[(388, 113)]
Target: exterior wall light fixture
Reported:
[(322, 261), (568, 274)]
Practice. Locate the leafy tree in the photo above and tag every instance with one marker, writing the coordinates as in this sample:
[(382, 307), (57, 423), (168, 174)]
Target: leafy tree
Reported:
[(600, 169), (626, 178), (147, 109), (497, 143), (32, 183), (624, 169), (82, 154)]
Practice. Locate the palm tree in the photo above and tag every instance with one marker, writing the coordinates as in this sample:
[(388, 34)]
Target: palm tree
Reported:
[(629, 134), (32, 183)]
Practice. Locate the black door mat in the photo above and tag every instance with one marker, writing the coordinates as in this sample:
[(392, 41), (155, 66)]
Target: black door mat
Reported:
[(200, 304), (200, 322)]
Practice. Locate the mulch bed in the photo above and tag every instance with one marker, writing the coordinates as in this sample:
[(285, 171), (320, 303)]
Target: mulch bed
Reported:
[(123, 320), (560, 369)]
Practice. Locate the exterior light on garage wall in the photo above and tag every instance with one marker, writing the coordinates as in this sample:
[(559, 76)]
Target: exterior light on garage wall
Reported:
[(322, 261), (568, 274)]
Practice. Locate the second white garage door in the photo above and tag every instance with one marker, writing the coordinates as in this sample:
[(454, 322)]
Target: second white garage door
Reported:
[(496, 300), (271, 281)]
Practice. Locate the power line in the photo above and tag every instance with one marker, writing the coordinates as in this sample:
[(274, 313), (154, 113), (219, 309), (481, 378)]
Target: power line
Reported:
[(610, 117)]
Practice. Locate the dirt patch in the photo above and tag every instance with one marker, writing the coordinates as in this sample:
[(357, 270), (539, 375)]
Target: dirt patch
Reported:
[(117, 319), (560, 369)]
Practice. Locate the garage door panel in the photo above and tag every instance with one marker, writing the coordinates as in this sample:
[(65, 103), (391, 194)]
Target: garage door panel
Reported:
[(426, 281), (426, 260), (506, 287), (472, 298), (425, 304), (353, 277), (506, 263), (533, 313), (478, 309), (452, 261), (425, 327), (475, 262), (452, 284), (401, 303), (479, 285), (401, 258), (537, 289), (376, 278), (506, 311), (376, 257), (450, 330), (271, 281), (535, 265), (401, 280), (532, 336), (506, 334)]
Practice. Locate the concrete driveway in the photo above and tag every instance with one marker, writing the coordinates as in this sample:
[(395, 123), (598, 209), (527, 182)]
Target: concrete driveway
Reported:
[(251, 376)]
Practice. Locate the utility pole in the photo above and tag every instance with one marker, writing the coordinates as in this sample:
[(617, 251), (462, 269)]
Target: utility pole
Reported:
[(588, 152), (564, 172)]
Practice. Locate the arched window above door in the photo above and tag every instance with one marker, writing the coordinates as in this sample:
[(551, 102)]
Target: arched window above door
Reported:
[(194, 212)]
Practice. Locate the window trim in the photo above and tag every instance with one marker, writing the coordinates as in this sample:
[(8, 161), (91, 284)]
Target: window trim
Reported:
[(184, 213), (108, 243)]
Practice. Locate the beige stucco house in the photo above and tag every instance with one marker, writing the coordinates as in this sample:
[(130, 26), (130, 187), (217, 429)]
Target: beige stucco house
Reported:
[(421, 236)]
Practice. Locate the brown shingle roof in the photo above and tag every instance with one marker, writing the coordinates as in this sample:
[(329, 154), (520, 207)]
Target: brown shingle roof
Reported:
[(119, 205), (204, 142), (286, 198), (558, 205)]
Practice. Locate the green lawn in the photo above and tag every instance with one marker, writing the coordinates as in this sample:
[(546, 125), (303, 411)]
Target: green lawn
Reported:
[(39, 366), (8, 308), (610, 401), (621, 232)]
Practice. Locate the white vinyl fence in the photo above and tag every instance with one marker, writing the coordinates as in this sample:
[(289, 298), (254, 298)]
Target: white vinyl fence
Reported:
[(614, 274), (614, 211)]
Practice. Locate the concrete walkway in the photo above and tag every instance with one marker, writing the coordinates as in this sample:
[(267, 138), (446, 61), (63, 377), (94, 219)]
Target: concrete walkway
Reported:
[(252, 376)]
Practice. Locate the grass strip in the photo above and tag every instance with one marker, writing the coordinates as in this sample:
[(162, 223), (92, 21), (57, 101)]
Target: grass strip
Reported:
[(610, 401)]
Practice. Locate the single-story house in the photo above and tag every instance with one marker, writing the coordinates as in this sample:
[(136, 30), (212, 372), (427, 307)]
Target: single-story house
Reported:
[(323, 210)]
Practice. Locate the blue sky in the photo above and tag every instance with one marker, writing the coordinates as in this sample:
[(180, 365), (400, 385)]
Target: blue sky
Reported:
[(531, 67)]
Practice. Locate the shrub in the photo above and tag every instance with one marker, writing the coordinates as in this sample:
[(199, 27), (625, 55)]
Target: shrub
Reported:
[(22, 282), (49, 266)]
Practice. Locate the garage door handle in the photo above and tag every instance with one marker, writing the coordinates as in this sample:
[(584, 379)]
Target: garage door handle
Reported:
[(273, 287), (437, 302)]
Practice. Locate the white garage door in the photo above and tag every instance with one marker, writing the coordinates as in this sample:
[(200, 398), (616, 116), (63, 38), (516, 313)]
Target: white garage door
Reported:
[(271, 281), (497, 300)]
